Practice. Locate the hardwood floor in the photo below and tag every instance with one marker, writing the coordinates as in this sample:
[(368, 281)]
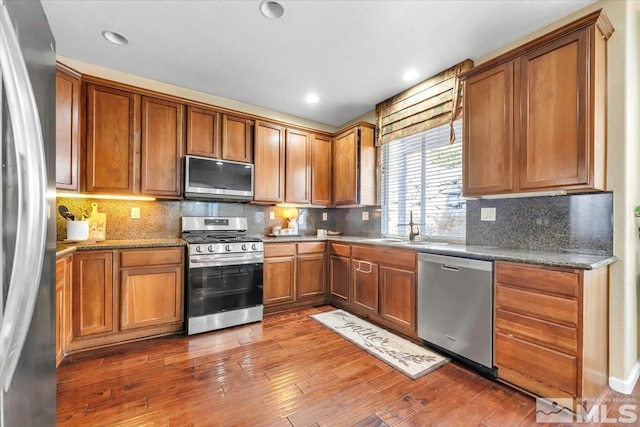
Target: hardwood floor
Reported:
[(287, 370)]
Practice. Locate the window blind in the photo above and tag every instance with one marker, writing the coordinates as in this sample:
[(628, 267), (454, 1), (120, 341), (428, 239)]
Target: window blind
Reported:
[(422, 174)]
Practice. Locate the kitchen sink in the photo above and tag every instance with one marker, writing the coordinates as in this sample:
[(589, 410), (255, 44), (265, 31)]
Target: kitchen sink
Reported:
[(384, 239)]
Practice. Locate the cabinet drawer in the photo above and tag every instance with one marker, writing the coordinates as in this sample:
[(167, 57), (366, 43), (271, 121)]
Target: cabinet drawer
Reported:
[(148, 257), (279, 249), (340, 249), (538, 279), (536, 363), (546, 307), (539, 331), (311, 247), (395, 257)]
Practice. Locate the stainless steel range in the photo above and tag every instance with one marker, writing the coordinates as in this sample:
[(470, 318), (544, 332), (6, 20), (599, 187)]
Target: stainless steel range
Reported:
[(224, 277)]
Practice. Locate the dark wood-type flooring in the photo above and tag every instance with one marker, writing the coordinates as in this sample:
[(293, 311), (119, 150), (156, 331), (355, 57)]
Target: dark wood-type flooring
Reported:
[(287, 370)]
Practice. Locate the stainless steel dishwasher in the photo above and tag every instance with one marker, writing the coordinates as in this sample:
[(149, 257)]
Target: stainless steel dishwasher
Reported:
[(455, 308)]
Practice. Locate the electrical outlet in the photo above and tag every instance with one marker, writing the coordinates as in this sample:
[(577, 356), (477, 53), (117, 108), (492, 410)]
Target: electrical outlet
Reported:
[(487, 214), (365, 216), (324, 216), (272, 215), (135, 213)]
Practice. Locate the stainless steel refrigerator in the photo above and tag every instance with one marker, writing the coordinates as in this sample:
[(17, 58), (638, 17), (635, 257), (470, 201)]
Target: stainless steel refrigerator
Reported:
[(27, 247)]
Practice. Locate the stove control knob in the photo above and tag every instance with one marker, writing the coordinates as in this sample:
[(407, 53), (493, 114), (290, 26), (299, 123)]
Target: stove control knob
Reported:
[(244, 247), (254, 247), (227, 248), (198, 249), (210, 248)]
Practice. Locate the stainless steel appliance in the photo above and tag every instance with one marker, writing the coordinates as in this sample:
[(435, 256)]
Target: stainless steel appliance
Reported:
[(207, 178), (455, 308), (27, 247), (224, 277)]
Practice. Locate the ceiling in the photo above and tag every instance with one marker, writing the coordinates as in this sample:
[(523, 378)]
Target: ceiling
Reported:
[(353, 54)]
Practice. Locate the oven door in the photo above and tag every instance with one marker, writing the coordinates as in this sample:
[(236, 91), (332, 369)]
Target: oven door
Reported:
[(220, 288)]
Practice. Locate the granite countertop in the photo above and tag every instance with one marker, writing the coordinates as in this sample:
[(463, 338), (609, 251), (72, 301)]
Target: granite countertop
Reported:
[(63, 249), (490, 253)]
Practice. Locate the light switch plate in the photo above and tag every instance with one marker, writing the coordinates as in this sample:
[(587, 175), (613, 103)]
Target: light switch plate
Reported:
[(272, 215), (324, 216), (365, 216), (487, 214), (135, 213)]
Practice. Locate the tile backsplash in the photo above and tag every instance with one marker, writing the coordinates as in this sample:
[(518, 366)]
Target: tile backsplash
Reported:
[(579, 223), (161, 219)]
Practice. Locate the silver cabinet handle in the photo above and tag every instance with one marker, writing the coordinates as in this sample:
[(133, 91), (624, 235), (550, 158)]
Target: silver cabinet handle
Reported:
[(32, 201), (360, 270)]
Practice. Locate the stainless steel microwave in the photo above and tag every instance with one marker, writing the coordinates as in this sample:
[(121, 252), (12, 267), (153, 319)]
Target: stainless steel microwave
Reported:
[(207, 178)]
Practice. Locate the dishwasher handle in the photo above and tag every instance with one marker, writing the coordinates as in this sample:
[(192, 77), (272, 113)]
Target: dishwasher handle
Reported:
[(449, 268), (453, 263)]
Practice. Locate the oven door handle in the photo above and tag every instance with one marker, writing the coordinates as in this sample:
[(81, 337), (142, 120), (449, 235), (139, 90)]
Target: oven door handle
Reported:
[(216, 261)]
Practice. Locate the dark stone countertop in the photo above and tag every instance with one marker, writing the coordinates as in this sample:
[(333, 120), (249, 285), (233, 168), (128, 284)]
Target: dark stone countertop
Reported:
[(490, 253), (63, 249)]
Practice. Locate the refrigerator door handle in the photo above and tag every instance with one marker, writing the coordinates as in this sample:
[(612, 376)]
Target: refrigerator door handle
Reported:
[(32, 201)]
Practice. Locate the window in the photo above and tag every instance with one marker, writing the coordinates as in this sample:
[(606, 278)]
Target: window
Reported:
[(422, 174)]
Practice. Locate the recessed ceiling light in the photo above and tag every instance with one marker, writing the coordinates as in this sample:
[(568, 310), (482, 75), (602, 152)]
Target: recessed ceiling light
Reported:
[(271, 9), (115, 38), (312, 98), (410, 75)]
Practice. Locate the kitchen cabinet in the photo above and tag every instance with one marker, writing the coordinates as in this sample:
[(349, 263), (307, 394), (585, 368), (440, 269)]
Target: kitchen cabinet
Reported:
[(203, 132), (398, 293), (321, 153), (151, 284), (269, 163), (128, 294), (550, 326), (339, 272), (236, 139), (67, 129), (93, 293), (535, 117), (294, 275), (113, 122), (63, 306), (162, 147), (297, 175), (354, 166), (364, 285)]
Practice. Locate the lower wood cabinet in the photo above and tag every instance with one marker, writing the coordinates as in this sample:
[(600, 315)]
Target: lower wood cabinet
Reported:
[(294, 275), (121, 295), (63, 306), (551, 330), (376, 283)]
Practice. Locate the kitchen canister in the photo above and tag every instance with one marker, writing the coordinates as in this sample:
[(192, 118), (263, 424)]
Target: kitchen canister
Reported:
[(77, 230)]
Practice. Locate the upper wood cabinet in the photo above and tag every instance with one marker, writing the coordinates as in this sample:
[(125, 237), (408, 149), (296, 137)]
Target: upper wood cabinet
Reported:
[(354, 166), (113, 121), (321, 170), (67, 129), (203, 132), (534, 118), (236, 138), (162, 147), (297, 175), (269, 163)]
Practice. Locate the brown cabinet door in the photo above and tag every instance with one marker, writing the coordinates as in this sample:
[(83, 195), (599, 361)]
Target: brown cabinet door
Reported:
[(340, 277), (279, 277), (112, 125), (321, 170), (162, 147), (203, 132), (60, 309), (93, 293), (310, 276), (364, 285), (345, 168), (236, 138), (398, 296), (67, 130), (488, 132), (268, 163), (68, 300), (554, 141), (297, 167), (151, 296)]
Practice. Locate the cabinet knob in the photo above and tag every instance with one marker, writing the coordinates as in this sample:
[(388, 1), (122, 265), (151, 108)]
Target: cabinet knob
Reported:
[(227, 248)]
